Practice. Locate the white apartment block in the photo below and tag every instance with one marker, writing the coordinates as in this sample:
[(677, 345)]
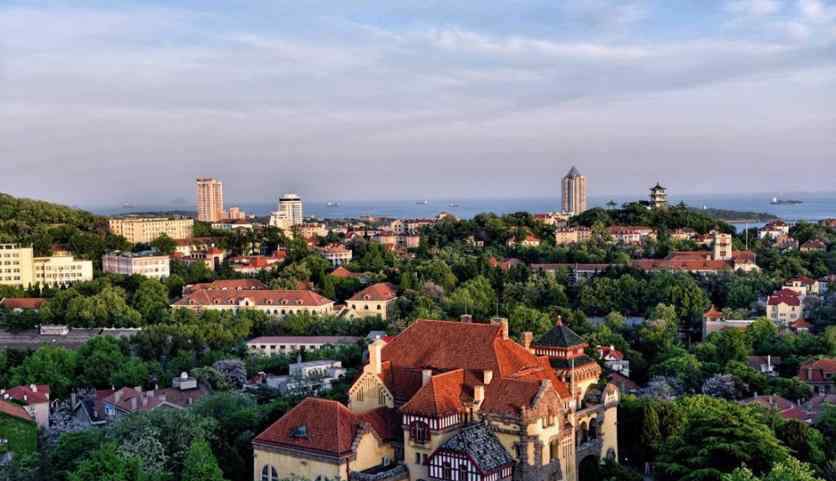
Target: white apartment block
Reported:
[(148, 264), (19, 268)]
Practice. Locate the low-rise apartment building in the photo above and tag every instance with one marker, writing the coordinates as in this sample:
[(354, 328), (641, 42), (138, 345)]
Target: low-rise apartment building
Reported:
[(147, 264), (20, 268), (336, 254), (784, 307), (572, 235), (275, 345), (146, 229)]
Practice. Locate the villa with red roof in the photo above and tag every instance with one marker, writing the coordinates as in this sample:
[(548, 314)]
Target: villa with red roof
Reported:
[(784, 307), (450, 400), (376, 300), (34, 398), (821, 374)]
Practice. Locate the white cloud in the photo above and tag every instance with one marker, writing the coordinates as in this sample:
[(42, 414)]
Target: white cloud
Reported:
[(754, 7)]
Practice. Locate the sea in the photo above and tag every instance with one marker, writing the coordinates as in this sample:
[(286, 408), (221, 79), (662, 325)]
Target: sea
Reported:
[(814, 206)]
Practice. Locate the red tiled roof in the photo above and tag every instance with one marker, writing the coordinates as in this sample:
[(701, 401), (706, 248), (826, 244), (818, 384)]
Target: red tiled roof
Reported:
[(342, 273), (801, 324), (743, 257), (13, 410), (803, 280), (329, 427), (817, 371), (26, 394), (713, 314), (22, 303), (230, 284), (440, 396), (609, 351), (209, 297), (382, 291), (385, 421), (784, 296)]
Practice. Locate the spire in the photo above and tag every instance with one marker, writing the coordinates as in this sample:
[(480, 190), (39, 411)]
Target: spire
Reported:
[(573, 172)]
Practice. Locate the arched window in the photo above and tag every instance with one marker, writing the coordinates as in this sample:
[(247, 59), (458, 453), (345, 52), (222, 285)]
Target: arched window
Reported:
[(269, 473)]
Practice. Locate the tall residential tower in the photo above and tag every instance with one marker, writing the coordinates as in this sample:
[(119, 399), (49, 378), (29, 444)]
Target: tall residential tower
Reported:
[(210, 200), (574, 192)]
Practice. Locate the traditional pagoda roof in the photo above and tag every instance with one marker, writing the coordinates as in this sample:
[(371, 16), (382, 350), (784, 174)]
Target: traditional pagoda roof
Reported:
[(481, 445), (559, 336), (658, 186)]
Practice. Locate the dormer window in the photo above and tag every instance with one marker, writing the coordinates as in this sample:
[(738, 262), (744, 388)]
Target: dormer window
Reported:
[(284, 302), (299, 432)]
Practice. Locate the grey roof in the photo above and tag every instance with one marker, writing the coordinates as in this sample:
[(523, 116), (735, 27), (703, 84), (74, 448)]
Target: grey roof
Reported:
[(481, 445), (559, 336), (573, 172)]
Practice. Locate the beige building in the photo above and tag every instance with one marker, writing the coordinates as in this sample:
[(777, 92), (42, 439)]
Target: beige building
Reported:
[(290, 213), (210, 200), (16, 265), (276, 303), (19, 268), (336, 254), (784, 307), (572, 235), (147, 264), (146, 229), (61, 270), (375, 300), (495, 411), (574, 192)]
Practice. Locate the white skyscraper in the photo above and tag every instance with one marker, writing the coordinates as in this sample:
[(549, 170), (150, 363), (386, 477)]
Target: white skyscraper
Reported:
[(290, 212)]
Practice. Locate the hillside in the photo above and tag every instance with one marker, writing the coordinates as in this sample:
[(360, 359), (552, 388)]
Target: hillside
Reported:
[(43, 224)]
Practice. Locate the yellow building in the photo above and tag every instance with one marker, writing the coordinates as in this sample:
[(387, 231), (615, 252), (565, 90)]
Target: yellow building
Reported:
[(376, 300), (61, 270), (146, 229), (15, 265), (464, 402), (19, 268)]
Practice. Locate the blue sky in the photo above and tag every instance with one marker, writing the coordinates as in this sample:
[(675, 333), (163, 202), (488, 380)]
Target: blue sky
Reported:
[(129, 101)]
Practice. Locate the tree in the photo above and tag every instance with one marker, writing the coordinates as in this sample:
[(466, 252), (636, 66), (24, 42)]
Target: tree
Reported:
[(806, 442), (475, 297), (50, 365), (98, 359), (200, 463), (108, 464), (164, 244), (718, 436), (524, 318), (789, 470), (151, 301)]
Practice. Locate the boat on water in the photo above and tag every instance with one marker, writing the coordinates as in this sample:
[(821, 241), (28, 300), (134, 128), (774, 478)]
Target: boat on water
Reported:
[(126, 205), (423, 202), (777, 201), (452, 204), (333, 204)]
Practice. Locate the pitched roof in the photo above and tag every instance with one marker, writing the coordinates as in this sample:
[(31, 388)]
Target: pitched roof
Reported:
[(610, 351), (15, 411), (784, 296), (208, 297), (712, 314), (440, 396), (559, 336), (342, 273), (817, 371), (317, 425), (28, 394), (22, 303), (230, 284), (382, 291), (481, 445)]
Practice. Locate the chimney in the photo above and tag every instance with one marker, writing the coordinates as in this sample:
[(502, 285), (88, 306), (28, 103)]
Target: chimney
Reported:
[(33, 387), (504, 323), (487, 376), (478, 393), (527, 339), (375, 365), (133, 403), (426, 375), (466, 318)]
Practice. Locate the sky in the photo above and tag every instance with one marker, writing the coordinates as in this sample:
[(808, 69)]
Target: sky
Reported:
[(128, 101)]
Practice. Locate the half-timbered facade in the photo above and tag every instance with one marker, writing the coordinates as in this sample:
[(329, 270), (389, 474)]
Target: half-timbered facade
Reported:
[(468, 403)]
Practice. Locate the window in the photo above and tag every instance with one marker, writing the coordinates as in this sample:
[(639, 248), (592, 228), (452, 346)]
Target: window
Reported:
[(417, 458), (463, 472), (269, 473), (419, 432), (446, 471)]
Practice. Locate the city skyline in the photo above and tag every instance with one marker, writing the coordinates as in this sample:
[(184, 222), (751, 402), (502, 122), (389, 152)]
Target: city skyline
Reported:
[(383, 101)]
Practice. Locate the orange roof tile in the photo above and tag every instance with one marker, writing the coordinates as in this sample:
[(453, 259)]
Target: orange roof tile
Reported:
[(15, 411), (382, 291)]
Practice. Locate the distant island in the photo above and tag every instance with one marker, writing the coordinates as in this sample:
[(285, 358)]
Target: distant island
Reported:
[(736, 216)]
